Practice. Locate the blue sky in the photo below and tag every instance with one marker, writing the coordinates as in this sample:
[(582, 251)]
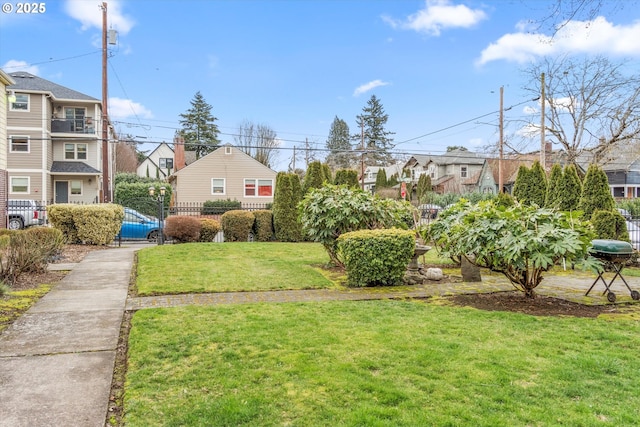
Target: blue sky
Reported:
[(295, 65)]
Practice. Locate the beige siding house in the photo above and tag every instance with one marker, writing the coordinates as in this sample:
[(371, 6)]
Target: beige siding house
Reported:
[(54, 136), (226, 173), (5, 80)]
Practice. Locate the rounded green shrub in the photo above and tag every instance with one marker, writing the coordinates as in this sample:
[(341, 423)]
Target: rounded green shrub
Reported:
[(218, 207), (376, 257), (209, 229), (237, 225), (609, 225)]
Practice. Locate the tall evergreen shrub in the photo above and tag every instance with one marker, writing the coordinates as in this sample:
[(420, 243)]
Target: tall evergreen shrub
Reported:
[(288, 194), (596, 194)]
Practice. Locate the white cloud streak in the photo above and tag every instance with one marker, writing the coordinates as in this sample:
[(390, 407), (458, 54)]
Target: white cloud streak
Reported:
[(368, 86), (593, 37), (13, 65), (125, 108), (90, 15), (438, 15)]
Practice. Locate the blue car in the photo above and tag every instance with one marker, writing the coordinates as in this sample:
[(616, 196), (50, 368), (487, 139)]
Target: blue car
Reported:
[(138, 226)]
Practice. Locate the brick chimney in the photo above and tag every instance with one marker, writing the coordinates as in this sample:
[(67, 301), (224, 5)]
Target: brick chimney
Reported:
[(178, 152)]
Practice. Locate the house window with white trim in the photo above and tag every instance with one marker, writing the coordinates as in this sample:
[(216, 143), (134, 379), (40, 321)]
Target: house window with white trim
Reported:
[(258, 187), (75, 151), (165, 163), (217, 186), (19, 144), (463, 172), (21, 103), (19, 185), (75, 187)]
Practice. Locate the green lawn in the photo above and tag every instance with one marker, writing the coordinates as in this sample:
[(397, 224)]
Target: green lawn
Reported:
[(378, 363), (224, 267)]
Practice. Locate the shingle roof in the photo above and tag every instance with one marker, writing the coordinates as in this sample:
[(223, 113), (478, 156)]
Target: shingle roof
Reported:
[(28, 82), (73, 167)]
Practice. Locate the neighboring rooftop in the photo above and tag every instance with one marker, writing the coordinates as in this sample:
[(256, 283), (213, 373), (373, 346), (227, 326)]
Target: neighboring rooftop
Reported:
[(28, 82)]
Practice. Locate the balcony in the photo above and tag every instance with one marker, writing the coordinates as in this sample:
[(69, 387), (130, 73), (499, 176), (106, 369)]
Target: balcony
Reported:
[(82, 126)]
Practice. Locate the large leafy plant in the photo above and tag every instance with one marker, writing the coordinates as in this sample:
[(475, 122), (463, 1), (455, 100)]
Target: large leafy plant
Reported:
[(518, 241), (329, 211)]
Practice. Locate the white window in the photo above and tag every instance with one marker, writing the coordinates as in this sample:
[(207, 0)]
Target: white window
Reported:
[(463, 171), (19, 144), (258, 187), (19, 185), (75, 187), (432, 171), (75, 151), (21, 103), (217, 186), (166, 163), (227, 150)]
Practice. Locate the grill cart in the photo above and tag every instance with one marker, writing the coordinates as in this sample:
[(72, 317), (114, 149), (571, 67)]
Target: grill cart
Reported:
[(614, 254)]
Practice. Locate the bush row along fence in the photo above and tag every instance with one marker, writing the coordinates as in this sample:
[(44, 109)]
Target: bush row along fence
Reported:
[(149, 207)]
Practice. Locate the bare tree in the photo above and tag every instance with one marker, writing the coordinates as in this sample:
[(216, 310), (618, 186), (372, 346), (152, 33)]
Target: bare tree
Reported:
[(126, 154), (559, 13), (259, 141), (591, 104)]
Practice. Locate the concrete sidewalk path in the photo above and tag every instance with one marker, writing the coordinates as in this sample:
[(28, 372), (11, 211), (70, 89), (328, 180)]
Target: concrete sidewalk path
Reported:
[(57, 360)]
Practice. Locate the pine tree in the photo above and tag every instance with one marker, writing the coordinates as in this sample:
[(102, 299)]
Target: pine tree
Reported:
[(596, 194), (571, 189), (377, 141), (381, 179), (199, 130), (339, 145), (554, 192)]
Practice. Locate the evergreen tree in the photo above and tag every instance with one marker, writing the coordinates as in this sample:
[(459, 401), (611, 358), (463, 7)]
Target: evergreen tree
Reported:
[(339, 145), (554, 192), (286, 197), (423, 188), (521, 186), (348, 177), (537, 185), (596, 194), (314, 178), (571, 189), (393, 180), (377, 141), (326, 174), (381, 179), (199, 130)]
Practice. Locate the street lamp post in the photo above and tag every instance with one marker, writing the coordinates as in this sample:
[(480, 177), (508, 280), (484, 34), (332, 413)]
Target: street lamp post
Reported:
[(160, 200)]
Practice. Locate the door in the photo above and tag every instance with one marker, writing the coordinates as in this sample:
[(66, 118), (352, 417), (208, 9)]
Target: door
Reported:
[(62, 192)]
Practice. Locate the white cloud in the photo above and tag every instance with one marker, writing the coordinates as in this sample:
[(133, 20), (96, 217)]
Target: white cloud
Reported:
[(13, 65), (368, 86), (438, 15), (90, 15), (124, 108), (594, 37), (530, 110)]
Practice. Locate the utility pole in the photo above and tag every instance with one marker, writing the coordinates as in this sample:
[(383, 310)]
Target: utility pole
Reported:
[(543, 144), (106, 193), (501, 143)]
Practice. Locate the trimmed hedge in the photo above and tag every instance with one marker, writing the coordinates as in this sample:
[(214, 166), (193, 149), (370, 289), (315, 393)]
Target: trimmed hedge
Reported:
[(88, 224), (209, 230), (183, 228), (263, 227), (218, 207), (376, 257), (237, 225)]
